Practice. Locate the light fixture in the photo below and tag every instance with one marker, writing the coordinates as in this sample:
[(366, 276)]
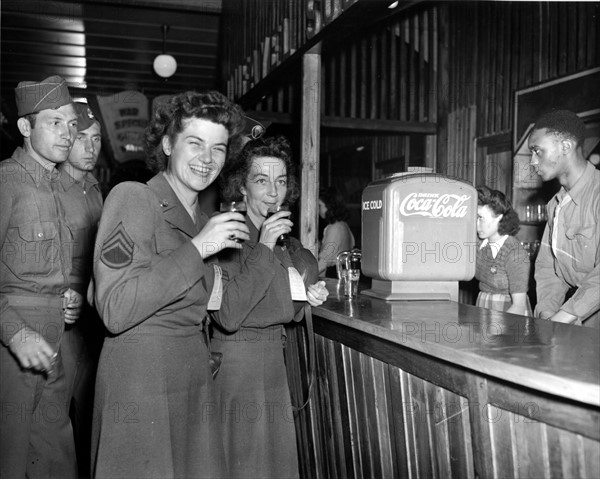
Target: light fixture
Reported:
[(165, 65), (393, 5)]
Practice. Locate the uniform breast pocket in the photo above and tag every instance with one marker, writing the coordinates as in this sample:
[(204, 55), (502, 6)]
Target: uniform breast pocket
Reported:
[(33, 249), (583, 242), (165, 242)]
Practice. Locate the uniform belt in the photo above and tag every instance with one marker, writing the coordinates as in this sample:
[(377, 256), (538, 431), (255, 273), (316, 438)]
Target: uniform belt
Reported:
[(44, 300)]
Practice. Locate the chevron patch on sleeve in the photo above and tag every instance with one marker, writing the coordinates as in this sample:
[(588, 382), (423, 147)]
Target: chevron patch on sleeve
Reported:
[(117, 250)]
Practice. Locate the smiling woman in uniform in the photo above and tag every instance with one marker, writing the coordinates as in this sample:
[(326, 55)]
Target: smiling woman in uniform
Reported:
[(154, 282)]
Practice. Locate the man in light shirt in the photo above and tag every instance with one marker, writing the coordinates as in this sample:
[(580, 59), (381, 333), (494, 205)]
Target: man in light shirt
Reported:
[(568, 263)]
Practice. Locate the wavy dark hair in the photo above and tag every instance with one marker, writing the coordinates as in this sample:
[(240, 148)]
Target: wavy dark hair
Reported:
[(169, 119), (236, 172), (500, 205), (336, 207)]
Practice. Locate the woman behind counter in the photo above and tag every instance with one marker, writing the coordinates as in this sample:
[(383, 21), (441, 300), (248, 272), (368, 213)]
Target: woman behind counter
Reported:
[(256, 410), (153, 283), (503, 265), (337, 236)]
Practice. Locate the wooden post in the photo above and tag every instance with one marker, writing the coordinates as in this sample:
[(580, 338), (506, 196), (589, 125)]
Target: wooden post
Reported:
[(309, 149)]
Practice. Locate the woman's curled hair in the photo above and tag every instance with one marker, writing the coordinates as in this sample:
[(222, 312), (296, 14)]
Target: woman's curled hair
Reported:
[(500, 205), (236, 172), (169, 119)]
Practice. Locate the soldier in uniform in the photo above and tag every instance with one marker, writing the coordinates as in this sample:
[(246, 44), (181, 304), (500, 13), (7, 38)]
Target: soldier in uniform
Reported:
[(155, 273), (36, 439), (81, 202)]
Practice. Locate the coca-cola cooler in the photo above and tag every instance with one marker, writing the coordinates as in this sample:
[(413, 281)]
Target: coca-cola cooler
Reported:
[(418, 236)]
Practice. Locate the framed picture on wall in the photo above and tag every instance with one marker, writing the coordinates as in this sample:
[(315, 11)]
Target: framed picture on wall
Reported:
[(578, 92)]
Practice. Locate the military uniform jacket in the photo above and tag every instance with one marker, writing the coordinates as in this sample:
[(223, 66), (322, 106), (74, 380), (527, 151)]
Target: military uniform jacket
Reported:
[(34, 242), (81, 202)]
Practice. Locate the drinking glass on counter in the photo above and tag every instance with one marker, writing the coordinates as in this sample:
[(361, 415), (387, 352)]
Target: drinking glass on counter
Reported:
[(348, 267)]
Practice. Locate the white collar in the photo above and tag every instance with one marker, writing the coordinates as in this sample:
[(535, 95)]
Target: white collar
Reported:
[(495, 247)]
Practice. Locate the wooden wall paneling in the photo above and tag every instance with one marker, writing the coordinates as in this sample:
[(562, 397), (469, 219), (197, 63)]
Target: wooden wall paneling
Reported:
[(501, 440), (342, 96), (436, 88), (394, 71), (353, 410), (339, 408), (413, 96), (373, 93), (442, 445), (593, 34), (363, 78), (295, 359), (409, 409), (498, 84), (422, 84), (530, 447), (369, 442), (399, 422), (591, 463), (494, 69), (354, 75), (515, 48), (384, 73), (419, 434), (571, 45), (443, 103), (581, 48), (536, 40), (480, 428), (486, 64), (385, 426), (323, 400), (404, 69)]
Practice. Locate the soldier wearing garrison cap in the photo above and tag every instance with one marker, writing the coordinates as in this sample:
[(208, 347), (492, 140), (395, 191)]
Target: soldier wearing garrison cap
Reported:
[(36, 298), (81, 202)]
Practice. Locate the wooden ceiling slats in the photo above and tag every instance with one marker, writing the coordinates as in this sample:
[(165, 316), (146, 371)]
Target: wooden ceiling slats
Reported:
[(56, 60), (43, 36), (109, 45), (36, 48), (28, 22)]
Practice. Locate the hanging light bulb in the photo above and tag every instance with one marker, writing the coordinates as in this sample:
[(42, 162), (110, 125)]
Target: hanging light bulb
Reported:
[(165, 65)]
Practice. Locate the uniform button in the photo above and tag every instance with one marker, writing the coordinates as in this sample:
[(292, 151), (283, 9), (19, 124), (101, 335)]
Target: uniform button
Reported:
[(164, 203), (40, 235)]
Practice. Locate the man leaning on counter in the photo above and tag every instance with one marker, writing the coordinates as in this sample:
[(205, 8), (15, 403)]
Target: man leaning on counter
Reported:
[(568, 263)]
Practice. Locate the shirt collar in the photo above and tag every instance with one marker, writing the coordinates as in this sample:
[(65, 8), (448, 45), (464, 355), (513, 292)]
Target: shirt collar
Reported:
[(579, 188), (68, 181), (495, 247), (33, 167)]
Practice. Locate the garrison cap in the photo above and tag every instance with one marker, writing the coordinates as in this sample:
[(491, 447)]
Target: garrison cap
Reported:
[(32, 97), (85, 116)]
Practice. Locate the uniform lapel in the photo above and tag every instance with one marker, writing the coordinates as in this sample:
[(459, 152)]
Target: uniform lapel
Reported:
[(173, 211)]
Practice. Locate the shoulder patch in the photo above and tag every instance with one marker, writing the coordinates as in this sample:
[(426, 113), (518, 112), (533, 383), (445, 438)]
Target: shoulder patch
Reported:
[(117, 250)]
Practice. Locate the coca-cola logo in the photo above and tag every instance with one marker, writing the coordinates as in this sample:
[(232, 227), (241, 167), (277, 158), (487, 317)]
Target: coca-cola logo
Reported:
[(434, 205)]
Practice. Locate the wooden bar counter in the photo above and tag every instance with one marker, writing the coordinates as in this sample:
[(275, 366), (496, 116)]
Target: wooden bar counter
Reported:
[(439, 389)]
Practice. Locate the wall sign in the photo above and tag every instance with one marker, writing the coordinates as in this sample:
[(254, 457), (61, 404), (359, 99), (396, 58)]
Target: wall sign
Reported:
[(125, 117)]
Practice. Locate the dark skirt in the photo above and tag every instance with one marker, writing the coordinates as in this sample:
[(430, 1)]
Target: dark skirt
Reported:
[(256, 412), (155, 409)]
